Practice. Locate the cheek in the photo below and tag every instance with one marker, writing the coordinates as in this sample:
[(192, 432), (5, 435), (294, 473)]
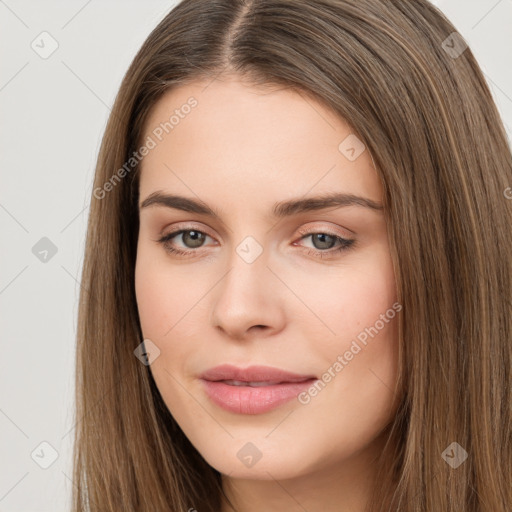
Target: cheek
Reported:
[(165, 300), (350, 300), (358, 350), (164, 293)]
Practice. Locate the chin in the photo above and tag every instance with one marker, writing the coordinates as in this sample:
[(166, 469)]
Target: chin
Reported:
[(258, 460)]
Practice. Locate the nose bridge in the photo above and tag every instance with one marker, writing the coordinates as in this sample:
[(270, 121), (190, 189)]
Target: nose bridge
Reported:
[(250, 250), (245, 296), (248, 263)]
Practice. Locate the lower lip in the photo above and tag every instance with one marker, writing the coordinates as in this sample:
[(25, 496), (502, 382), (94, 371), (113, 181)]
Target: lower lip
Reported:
[(253, 400)]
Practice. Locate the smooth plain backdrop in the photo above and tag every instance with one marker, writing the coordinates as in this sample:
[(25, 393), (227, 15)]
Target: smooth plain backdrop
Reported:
[(61, 65)]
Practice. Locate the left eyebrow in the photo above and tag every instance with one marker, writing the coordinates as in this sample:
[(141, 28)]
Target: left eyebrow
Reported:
[(333, 200), (280, 210)]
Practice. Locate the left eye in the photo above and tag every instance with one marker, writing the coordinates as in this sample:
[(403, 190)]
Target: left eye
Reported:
[(324, 243), (326, 240)]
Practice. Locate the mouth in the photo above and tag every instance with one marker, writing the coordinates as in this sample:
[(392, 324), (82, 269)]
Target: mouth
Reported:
[(251, 384), (254, 390)]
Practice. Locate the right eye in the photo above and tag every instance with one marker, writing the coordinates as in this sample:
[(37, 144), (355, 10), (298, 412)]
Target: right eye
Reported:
[(191, 238)]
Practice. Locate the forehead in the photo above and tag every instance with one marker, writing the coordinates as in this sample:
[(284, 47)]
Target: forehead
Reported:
[(234, 139)]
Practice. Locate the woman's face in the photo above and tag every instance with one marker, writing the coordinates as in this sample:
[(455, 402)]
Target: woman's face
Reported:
[(272, 278)]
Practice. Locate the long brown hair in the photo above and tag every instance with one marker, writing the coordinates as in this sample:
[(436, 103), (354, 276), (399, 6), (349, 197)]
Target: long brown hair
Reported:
[(398, 72)]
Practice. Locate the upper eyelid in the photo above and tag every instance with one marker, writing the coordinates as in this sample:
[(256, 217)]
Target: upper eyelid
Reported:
[(186, 227), (346, 233), (318, 227)]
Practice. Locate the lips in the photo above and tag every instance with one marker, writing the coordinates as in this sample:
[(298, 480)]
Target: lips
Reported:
[(253, 374), (252, 390), (255, 384)]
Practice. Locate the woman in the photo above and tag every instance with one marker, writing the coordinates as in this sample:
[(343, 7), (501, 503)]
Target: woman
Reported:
[(297, 281)]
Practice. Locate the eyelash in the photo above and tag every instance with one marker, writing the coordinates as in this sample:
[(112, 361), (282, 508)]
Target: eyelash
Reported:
[(345, 243)]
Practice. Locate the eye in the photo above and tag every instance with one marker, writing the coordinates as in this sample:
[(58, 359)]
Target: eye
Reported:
[(192, 238), (324, 243)]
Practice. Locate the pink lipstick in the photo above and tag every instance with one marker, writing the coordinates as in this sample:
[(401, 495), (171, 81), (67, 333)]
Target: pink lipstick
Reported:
[(252, 390)]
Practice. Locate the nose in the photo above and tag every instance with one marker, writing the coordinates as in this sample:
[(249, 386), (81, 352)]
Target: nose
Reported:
[(248, 300)]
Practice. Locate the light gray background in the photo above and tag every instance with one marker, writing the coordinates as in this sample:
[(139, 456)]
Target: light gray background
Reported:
[(53, 113)]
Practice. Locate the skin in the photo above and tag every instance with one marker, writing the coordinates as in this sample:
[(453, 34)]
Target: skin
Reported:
[(240, 150)]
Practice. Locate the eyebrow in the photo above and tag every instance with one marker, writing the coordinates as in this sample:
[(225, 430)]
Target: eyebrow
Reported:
[(280, 210)]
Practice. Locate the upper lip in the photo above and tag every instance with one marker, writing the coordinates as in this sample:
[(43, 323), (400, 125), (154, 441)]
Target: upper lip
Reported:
[(252, 374)]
